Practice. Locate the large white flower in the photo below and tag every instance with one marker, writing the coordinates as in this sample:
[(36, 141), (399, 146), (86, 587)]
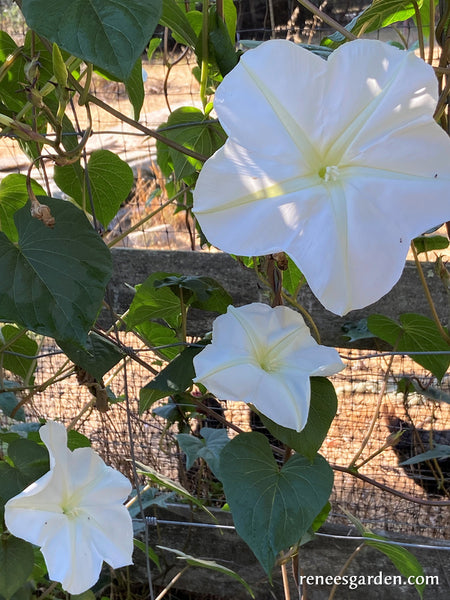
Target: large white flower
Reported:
[(265, 356), (75, 513), (339, 163)]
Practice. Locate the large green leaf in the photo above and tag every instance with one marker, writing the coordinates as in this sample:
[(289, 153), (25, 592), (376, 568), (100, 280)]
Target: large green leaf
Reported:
[(322, 411), (97, 358), (14, 195), (272, 508), (152, 303), (17, 560), (23, 346), (415, 334), (54, 280), (109, 34), (110, 182), (189, 127), (176, 377)]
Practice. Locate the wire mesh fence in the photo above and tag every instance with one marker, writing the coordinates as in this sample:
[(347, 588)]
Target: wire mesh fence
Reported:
[(387, 497), (367, 390)]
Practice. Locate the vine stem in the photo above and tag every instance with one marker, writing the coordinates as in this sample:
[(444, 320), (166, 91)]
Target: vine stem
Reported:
[(204, 67), (327, 19), (344, 568), (171, 583), (426, 289), (139, 126), (284, 574), (419, 29), (375, 416)]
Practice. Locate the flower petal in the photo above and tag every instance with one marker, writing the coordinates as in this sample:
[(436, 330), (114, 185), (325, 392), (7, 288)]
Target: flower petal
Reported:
[(258, 103), (114, 544), (71, 557), (342, 191), (384, 90), (95, 482), (285, 397), (54, 436)]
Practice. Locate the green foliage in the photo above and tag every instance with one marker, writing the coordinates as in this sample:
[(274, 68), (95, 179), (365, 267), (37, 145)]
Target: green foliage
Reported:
[(322, 411), (415, 334), (167, 483), (407, 385), (192, 561), (151, 303), (438, 451), (14, 195), (148, 551), (176, 377), (110, 35), (381, 13), (97, 357), (16, 340), (272, 508), (177, 21), (406, 563), (221, 46), (27, 462), (199, 292), (292, 278), (16, 560), (208, 447), (191, 128), (108, 182), (428, 243), (53, 281), (9, 401)]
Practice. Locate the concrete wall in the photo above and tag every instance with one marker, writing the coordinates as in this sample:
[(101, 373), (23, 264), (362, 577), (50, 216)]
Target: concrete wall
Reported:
[(324, 556), (133, 266)]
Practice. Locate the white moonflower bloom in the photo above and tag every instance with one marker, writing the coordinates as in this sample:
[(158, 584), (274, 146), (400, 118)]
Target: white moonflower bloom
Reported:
[(339, 163), (265, 356), (75, 513)]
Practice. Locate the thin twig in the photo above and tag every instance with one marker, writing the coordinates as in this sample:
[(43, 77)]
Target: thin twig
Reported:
[(344, 568), (327, 19)]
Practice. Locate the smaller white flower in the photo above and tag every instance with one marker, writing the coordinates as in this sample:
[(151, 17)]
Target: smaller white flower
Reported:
[(75, 513), (265, 356)]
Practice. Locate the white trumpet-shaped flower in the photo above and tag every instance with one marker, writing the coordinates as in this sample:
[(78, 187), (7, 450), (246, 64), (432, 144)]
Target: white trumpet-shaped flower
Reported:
[(265, 356), (75, 513), (339, 163)]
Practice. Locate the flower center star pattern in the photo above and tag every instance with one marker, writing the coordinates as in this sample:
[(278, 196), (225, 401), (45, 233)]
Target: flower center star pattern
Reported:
[(265, 356), (338, 163), (75, 513)]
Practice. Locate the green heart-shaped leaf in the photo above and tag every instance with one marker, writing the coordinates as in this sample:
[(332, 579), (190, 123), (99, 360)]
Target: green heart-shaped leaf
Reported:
[(272, 508), (111, 35), (53, 281)]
